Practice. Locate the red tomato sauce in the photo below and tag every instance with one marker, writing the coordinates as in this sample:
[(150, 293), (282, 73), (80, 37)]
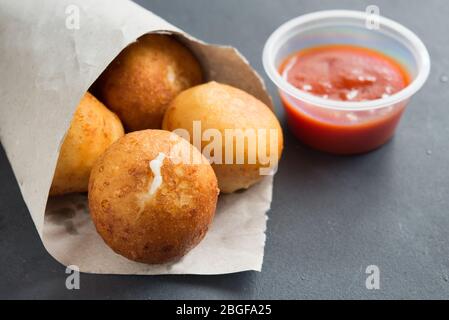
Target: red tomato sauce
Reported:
[(343, 73)]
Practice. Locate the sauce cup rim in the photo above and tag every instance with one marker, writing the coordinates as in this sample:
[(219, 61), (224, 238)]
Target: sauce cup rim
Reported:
[(419, 48)]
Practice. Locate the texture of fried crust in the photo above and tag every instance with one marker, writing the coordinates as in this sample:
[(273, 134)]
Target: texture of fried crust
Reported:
[(145, 77), (162, 226), (92, 130), (219, 106)]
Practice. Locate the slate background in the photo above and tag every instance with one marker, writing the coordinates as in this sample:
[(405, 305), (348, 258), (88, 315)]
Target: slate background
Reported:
[(331, 216)]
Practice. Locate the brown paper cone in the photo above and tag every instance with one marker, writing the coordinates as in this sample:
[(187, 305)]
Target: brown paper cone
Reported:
[(52, 51)]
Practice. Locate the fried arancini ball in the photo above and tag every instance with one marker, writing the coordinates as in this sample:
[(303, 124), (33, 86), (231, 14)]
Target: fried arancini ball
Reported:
[(227, 109), (145, 77), (92, 130), (147, 202)]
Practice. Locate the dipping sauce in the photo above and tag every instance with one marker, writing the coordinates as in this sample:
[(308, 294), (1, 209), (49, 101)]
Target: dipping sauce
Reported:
[(343, 73)]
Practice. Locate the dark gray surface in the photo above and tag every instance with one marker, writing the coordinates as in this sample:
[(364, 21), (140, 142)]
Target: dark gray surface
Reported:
[(331, 216)]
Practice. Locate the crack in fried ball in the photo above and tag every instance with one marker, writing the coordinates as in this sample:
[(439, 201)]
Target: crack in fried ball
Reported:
[(148, 202)]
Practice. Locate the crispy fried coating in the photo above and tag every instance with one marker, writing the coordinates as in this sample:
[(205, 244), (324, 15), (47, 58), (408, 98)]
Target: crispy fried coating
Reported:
[(92, 130), (139, 84), (225, 108), (147, 202)]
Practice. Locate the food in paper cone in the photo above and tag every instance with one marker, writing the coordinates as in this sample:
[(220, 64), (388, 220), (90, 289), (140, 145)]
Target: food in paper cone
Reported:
[(92, 130), (140, 83), (223, 112), (149, 200), (51, 91)]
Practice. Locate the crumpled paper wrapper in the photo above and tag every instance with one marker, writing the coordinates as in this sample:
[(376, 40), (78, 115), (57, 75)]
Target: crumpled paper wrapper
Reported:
[(47, 64)]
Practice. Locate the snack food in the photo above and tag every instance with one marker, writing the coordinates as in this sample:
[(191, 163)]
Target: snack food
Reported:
[(147, 202), (92, 130), (145, 77), (228, 110)]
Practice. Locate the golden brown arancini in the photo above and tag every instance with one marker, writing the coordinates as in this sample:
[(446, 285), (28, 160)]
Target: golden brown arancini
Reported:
[(146, 203), (92, 130), (225, 108), (145, 77)]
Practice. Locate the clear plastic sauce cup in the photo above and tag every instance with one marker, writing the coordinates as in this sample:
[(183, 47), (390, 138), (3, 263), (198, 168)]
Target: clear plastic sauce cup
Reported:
[(345, 127)]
